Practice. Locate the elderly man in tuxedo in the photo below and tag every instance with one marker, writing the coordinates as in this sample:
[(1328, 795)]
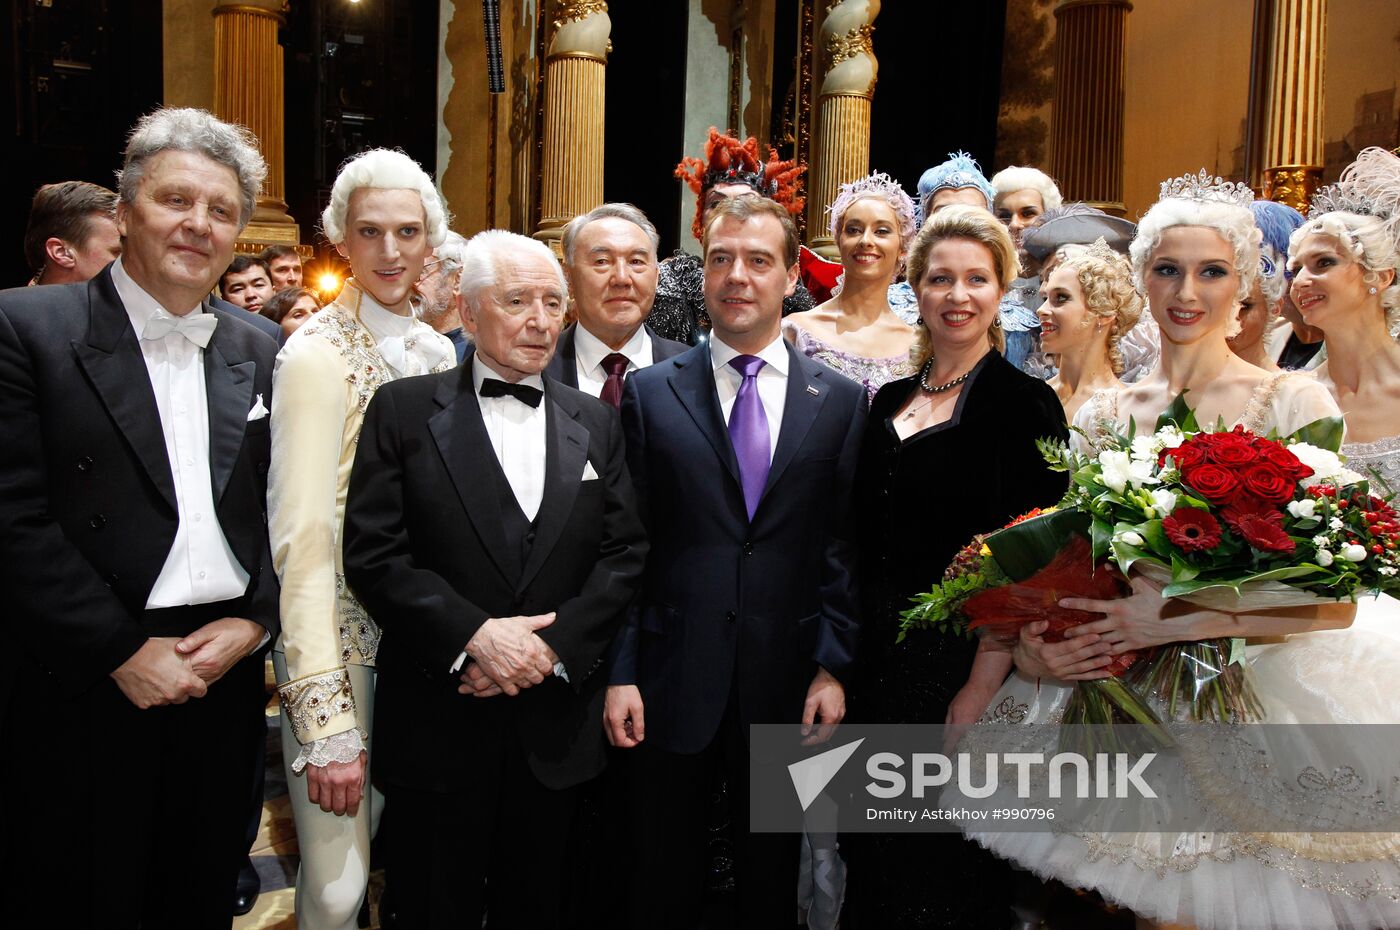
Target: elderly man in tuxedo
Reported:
[(742, 452), (136, 570), (610, 260), (491, 530)]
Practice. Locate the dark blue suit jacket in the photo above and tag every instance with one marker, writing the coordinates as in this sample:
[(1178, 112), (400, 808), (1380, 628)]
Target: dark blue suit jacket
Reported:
[(563, 367), (728, 605)]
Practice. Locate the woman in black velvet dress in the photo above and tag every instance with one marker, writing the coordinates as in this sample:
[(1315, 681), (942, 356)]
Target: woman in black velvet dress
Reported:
[(948, 454)]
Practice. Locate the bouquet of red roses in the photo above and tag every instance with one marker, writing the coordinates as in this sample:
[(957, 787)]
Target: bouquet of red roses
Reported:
[(1234, 522)]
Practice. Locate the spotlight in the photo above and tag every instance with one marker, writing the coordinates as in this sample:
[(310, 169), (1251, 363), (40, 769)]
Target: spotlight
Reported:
[(328, 284)]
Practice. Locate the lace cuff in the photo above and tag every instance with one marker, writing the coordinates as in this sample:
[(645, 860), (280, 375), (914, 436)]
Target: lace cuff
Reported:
[(342, 747), (311, 705)]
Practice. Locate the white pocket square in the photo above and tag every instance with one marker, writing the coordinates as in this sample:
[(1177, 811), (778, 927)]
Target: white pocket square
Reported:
[(588, 473), (258, 411)]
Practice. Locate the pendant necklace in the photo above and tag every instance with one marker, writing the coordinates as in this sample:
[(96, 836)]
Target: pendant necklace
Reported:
[(934, 388)]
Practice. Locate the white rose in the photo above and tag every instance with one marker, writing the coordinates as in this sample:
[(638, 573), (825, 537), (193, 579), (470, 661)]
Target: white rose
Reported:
[(1140, 472), (1169, 437), (1325, 465), (1163, 502), (1324, 558), (1131, 538), (1115, 469), (1346, 477), (1353, 552), (1303, 509), (1145, 448)]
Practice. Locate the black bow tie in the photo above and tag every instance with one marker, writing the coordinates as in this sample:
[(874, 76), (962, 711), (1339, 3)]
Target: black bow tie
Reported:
[(494, 387)]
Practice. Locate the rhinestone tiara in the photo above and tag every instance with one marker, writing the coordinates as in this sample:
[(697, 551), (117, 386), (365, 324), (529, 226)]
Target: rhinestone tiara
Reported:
[(1099, 250), (1369, 186), (1204, 187)]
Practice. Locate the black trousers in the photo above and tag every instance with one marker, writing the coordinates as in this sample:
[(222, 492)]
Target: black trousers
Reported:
[(668, 797), (124, 818), (499, 850)]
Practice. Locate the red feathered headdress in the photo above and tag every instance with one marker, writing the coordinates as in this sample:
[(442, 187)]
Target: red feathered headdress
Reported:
[(729, 161)]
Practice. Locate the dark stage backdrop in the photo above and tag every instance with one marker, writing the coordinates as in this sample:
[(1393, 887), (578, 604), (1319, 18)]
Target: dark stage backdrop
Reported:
[(940, 86), (77, 86), (358, 76), (645, 118)]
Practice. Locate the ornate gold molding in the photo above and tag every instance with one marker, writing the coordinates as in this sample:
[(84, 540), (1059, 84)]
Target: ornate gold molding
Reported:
[(849, 44), (572, 11), (1293, 185), (279, 15)]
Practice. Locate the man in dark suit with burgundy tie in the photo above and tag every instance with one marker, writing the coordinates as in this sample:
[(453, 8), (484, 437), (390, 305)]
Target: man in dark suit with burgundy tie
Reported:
[(610, 260), (742, 452), (136, 568), (492, 532)]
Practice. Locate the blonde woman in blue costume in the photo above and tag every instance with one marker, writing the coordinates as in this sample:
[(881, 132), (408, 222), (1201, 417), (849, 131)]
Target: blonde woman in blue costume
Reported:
[(384, 217), (1195, 256)]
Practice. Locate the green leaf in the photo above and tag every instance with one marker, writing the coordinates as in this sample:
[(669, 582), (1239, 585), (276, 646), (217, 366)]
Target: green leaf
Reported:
[(1178, 588), (1182, 570), (1022, 550), (1179, 414), (1100, 534), (1156, 538), (1325, 433)]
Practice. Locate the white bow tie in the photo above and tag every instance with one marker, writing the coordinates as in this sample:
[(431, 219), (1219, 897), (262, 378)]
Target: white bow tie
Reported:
[(196, 327), (396, 349)]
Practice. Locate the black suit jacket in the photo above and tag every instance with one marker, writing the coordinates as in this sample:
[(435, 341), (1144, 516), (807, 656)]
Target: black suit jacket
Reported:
[(89, 499), (255, 320), (425, 551), (564, 366), (726, 602)]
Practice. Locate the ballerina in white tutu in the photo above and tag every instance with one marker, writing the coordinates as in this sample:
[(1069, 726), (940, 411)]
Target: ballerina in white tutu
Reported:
[(1195, 256)]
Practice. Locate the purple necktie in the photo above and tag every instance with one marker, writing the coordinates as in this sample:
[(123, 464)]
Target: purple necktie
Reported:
[(748, 430)]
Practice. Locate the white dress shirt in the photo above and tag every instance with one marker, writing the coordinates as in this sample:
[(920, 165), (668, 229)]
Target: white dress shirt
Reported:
[(772, 382), (200, 567), (519, 438), (589, 352), (517, 433), (409, 346)]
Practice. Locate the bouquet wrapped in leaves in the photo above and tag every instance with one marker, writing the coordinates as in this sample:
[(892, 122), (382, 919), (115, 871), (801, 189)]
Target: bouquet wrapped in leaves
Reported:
[(1004, 580), (1229, 521), (1224, 519)]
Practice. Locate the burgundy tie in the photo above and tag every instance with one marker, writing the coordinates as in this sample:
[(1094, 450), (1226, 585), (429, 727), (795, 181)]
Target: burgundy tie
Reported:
[(615, 364)]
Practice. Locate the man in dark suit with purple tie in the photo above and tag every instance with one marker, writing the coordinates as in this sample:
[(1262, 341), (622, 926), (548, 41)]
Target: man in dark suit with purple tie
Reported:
[(743, 452)]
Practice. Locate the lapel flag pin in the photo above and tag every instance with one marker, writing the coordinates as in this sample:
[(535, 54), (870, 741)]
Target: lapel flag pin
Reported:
[(813, 391)]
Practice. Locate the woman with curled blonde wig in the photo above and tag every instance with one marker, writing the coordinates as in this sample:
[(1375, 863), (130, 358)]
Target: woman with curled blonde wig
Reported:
[(1090, 303), (947, 453)]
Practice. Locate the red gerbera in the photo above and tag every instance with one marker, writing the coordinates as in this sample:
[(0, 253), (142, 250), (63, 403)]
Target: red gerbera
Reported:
[(1246, 505), (1192, 529), (1265, 532)]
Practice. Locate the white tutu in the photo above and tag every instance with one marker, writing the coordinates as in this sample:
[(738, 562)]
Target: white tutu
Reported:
[(1252, 881)]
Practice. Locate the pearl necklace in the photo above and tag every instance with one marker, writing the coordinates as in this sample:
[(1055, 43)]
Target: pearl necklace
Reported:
[(940, 388), (934, 388)]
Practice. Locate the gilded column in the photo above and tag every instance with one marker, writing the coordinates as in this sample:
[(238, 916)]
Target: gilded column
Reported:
[(248, 91), (571, 163), (841, 142), (1086, 142), (1293, 156)]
